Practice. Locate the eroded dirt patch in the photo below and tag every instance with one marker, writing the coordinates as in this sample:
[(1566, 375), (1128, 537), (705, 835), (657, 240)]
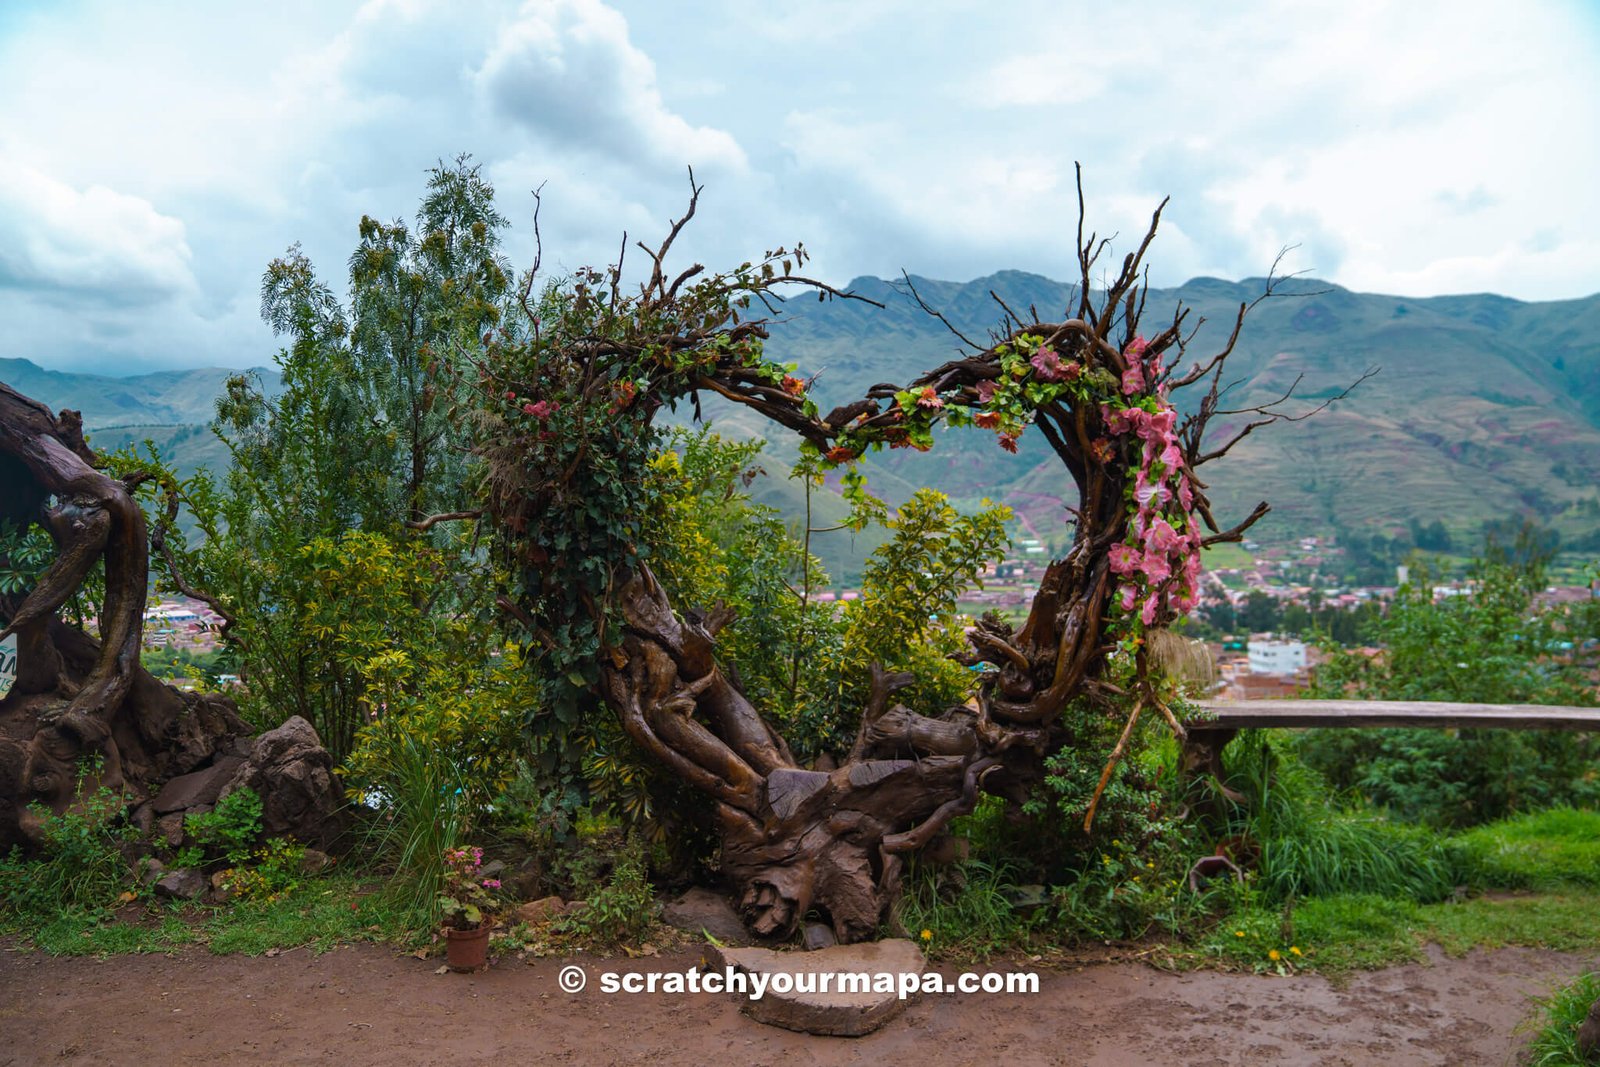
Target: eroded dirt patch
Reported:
[(366, 1005)]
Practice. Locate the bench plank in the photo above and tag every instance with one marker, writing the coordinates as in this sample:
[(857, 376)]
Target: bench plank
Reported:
[(1248, 714)]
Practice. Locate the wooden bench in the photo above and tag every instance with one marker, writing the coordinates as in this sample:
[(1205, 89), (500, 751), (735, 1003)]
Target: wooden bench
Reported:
[(1202, 752)]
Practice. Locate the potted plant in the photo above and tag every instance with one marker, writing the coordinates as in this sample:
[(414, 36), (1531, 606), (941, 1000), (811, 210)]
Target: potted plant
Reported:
[(467, 905)]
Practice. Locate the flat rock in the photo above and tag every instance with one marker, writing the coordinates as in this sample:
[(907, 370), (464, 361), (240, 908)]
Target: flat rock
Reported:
[(182, 885), (539, 911), (832, 1013), (818, 936), (702, 911), (196, 788), (315, 861)]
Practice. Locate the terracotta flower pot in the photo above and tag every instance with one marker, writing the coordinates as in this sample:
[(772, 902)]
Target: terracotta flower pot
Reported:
[(467, 950)]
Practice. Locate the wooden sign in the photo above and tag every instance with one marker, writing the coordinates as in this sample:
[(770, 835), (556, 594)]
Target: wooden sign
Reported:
[(8, 664)]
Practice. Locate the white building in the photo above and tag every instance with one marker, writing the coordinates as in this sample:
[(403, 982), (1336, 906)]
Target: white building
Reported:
[(1269, 656)]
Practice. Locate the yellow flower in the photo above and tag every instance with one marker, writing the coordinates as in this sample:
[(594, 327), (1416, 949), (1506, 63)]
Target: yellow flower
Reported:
[(1238, 933), (927, 935), (1274, 955), (1295, 949)]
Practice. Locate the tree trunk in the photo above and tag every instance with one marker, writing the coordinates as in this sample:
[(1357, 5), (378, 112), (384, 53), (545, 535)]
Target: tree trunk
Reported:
[(795, 842), (76, 697)]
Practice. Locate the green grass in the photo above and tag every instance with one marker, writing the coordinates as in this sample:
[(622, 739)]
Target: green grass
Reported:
[(319, 914), (967, 921), (1338, 934), (1561, 921), (1311, 845), (1555, 1044), (1545, 850), (1333, 934), (1226, 555), (80, 933)]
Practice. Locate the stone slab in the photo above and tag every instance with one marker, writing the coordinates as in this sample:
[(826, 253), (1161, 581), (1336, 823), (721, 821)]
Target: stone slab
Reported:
[(702, 911), (831, 1013), (196, 788)]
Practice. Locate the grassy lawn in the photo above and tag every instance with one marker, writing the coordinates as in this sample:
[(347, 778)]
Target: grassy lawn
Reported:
[(319, 914), (1226, 555)]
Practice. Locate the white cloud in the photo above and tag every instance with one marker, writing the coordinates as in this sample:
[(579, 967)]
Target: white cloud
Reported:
[(92, 244), (566, 70), (157, 155)]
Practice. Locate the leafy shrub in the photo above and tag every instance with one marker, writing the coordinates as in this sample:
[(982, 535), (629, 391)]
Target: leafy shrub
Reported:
[(80, 866), (273, 871), (1487, 647), (619, 911), (905, 618), (1460, 778), (230, 828)]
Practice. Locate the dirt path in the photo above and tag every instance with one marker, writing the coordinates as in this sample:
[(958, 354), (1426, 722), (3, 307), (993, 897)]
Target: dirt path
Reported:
[(364, 1005)]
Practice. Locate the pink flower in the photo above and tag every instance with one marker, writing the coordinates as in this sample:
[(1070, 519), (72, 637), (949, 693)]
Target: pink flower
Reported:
[(986, 391), (1172, 456), (1158, 427), (1154, 566), (929, 399), (1116, 419), (491, 883), (1161, 537), (1047, 367), (1129, 594), (1124, 559), (1185, 494), (1135, 350), (543, 409), (1149, 494), (1132, 379), (1152, 605)]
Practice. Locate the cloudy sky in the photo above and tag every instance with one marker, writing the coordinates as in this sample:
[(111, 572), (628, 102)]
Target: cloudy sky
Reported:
[(154, 156)]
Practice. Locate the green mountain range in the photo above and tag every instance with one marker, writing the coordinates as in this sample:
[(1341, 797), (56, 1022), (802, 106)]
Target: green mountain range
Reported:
[(1483, 407)]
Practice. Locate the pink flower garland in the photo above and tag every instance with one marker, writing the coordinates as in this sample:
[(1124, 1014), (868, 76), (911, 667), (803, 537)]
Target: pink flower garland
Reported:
[(1160, 561)]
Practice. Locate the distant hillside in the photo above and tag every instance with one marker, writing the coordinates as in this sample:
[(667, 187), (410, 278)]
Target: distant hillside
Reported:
[(1484, 406), (164, 398)]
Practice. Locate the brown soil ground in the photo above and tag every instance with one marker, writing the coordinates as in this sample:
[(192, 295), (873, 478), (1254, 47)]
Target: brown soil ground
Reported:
[(366, 1005)]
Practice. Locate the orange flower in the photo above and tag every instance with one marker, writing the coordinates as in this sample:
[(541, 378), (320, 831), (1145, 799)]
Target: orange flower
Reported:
[(840, 454), (987, 419)]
